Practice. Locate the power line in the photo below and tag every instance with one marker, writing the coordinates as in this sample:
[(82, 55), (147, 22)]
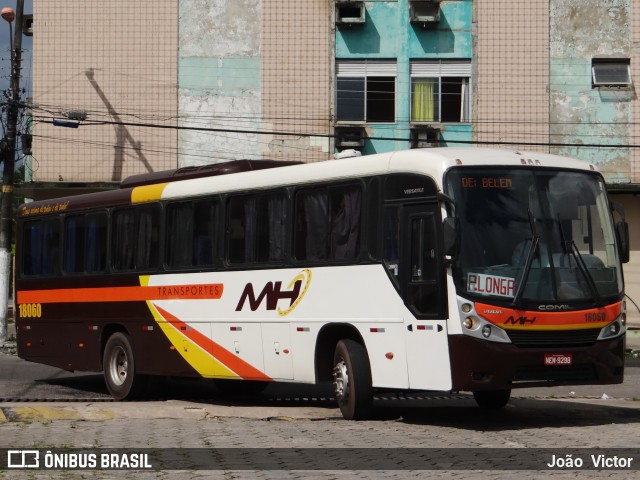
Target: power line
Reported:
[(375, 137)]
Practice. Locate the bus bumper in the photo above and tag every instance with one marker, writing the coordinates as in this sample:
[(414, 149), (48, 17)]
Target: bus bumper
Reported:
[(482, 365)]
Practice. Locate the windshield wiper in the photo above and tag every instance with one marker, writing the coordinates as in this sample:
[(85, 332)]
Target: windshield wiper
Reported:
[(571, 248), (533, 246)]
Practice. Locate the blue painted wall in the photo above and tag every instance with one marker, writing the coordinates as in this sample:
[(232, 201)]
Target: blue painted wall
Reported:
[(581, 30), (388, 34)]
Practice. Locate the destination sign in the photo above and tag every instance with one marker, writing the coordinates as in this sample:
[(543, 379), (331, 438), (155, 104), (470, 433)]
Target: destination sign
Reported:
[(487, 182)]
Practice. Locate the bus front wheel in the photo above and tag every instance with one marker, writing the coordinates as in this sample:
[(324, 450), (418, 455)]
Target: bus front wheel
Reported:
[(352, 380), (119, 368), (492, 399)]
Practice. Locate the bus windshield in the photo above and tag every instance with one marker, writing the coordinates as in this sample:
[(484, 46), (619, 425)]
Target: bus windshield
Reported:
[(534, 236)]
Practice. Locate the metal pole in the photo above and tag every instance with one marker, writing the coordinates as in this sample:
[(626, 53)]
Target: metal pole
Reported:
[(6, 214)]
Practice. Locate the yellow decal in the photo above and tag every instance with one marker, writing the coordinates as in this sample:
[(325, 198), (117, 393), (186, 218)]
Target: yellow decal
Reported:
[(147, 193), (201, 361), (304, 277)]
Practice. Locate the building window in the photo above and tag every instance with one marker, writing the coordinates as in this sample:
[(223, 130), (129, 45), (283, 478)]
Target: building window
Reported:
[(366, 91), (610, 72), (440, 91)]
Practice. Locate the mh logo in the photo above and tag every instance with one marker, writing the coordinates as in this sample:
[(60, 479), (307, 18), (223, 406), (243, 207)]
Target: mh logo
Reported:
[(272, 292)]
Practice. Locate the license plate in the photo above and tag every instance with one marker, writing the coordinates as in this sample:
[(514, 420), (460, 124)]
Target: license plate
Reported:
[(554, 359)]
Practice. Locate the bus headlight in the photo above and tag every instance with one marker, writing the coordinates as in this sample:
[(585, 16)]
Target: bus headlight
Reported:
[(469, 323), (466, 307), (612, 330)]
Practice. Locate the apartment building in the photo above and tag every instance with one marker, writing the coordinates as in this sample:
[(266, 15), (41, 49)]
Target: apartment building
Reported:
[(561, 77), (403, 74), (169, 83), (166, 84)]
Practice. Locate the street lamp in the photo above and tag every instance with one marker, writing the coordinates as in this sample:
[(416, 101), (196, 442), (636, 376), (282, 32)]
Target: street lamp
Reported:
[(9, 15), (8, 153)]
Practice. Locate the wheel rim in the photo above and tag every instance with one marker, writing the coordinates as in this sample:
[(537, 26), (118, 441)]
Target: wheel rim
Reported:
[(341, 381), (118, 366)]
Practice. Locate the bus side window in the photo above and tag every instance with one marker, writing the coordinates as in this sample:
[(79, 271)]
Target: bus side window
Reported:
[(74, 247), (345, 222), (96, 242), (179, 234), (256, 228), (311, 226), (327, 223), (136, 238), (42, 247), (148, 238), (204, 217)]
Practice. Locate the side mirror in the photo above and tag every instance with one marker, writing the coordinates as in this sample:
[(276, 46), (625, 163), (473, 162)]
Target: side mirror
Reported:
[(622, 232), (622, 236), (451, 234)]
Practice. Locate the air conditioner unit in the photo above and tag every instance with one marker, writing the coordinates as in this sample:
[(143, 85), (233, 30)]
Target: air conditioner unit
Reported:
[(349, 13), (27, 25), (425, 136), (349, 137), (424, 12)]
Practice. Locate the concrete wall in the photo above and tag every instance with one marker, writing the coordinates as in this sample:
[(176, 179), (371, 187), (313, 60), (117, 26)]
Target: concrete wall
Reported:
[(253, 66), (581, 30), (297, 46), (512, 58), (116, 61), (219, 80)]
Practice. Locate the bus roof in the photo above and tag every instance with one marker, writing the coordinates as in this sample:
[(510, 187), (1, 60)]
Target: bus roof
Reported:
[(194, 182)]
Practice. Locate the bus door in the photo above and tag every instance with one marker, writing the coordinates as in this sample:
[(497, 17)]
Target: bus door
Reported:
[(423, 287)]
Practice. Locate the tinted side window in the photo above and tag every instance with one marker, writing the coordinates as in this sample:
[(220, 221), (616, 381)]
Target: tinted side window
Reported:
[(85, 243), (74, 248), (190, 234), (41, 247), (135, 238), (95, 258), (327, 223), (256, 228)]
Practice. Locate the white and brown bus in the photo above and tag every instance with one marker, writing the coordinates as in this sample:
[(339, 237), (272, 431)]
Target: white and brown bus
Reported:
[(454, 269)]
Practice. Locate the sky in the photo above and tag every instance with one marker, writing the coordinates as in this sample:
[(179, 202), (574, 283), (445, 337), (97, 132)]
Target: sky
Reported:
[(5, 51)]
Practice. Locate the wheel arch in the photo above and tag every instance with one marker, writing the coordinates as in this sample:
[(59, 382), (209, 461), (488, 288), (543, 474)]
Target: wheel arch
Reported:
[(328, 338)]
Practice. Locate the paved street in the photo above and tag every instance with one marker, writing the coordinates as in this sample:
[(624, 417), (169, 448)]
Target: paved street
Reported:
[(524, 424), (193, 417)]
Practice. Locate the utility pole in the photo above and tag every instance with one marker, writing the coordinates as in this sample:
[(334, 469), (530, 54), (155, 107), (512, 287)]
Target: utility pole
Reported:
[(9, 157)]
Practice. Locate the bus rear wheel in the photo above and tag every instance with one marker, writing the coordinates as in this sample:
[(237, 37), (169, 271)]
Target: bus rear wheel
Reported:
[(352, 380), (119, 368), (492, 399)]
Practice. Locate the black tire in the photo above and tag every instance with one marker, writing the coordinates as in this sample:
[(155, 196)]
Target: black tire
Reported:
[(352, 380), (492, 399), (119, 368)]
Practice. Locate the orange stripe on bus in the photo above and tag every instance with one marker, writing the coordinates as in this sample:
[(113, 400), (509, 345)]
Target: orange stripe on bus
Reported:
[(549, 320), (231, 361), (122, 294)]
